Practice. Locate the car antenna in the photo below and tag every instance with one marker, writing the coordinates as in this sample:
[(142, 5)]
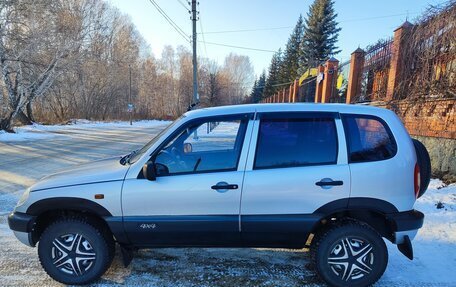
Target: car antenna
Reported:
[(192, 106)]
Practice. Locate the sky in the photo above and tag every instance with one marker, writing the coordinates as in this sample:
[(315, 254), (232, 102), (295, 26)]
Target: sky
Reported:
[(363, 22)]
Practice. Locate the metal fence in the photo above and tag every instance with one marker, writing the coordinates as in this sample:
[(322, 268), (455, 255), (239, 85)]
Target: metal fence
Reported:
[(306, 90), (428, 57), (375, 72), (340, 85)]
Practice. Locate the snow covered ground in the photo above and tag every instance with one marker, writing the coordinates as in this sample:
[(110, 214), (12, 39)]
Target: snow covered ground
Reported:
[(37, 131), (39, 150)]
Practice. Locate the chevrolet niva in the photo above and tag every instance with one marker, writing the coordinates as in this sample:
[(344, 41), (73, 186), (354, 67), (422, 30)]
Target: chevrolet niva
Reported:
[(334, 178)]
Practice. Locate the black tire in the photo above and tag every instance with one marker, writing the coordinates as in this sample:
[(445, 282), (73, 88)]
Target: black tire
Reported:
[(424, 162), (89, 250), (334, 242)]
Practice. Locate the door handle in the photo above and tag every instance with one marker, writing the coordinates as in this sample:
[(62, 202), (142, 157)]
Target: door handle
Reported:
[(224, 185), (329, 182)]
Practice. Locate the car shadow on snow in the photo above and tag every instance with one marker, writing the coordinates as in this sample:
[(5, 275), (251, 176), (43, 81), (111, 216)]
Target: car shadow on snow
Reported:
[(213, 267)]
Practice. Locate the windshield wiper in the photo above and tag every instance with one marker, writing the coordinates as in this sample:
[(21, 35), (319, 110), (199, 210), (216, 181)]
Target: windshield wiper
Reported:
[(126, 159)]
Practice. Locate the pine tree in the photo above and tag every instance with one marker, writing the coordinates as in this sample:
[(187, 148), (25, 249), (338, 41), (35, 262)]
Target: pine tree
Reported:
[(290, 64), (260, 88), (273, 74), (320, 34), (257, 93), (253, 92)]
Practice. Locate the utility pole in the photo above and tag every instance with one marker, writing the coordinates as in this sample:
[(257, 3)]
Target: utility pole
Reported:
[(130, 104), (195, 64)]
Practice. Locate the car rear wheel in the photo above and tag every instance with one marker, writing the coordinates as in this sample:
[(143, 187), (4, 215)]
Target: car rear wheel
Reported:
[(74, 252), (350, 254)]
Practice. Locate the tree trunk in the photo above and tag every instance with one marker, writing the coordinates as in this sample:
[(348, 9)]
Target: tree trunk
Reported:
[(30, 112), (26, 118), (23, 118), (5, 124)]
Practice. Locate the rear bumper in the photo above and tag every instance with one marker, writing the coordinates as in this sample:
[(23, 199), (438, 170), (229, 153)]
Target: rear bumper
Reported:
[(407, 220), (405, 226), (22, 226)]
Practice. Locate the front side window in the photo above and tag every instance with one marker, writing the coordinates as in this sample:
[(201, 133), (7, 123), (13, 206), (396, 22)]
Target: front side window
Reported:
[(368, 138), (212, 145), (290, 142)]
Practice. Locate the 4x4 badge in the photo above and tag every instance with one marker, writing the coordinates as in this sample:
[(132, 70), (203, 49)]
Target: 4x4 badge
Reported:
[(148, 225)]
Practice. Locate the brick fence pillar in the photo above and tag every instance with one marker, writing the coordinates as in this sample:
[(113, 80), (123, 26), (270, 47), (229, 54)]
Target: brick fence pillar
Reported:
[(400, 36), (329, 80), (295, 91), (319, 83), (290, 93), (355, 74)]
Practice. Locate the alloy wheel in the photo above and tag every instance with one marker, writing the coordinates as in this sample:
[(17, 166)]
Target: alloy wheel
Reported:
[(351, 258), (72, 254)]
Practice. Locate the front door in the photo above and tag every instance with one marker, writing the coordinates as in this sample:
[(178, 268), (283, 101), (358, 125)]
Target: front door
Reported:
[(195, 199), (297, 165)]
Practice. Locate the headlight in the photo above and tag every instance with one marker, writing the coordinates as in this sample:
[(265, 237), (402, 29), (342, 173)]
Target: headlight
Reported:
[(24, 197)]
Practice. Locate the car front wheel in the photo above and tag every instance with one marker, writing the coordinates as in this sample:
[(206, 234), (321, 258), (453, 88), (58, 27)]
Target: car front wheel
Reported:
[(350, 254), (74, 252)]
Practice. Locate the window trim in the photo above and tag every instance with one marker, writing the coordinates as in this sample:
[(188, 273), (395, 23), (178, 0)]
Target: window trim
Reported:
[(344, 116), (246, 117), (296, 115)]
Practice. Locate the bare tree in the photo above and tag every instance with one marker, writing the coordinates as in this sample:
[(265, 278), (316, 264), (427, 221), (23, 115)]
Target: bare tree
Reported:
[(66, 59), (238, 70)]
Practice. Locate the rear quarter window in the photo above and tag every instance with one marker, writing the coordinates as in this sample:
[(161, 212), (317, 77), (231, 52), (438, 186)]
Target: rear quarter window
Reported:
[(368, 138)]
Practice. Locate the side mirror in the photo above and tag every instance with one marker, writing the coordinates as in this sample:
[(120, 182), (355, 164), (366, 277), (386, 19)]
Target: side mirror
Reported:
[(148, 171), (188, 148)]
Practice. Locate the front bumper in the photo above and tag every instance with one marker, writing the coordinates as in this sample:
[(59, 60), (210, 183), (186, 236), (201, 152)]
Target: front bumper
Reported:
[(22, 225)]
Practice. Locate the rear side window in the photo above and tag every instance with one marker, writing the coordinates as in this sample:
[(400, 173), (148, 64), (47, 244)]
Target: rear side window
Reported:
[(368, 138), (291, 142)]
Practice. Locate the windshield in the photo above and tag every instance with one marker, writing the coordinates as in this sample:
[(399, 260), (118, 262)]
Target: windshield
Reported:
[(138, 154)]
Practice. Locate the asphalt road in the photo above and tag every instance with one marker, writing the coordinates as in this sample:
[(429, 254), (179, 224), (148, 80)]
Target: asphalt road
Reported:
[(23, 163)]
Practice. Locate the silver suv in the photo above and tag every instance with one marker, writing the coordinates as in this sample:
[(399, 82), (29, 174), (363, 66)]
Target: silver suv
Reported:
[(334, 178)]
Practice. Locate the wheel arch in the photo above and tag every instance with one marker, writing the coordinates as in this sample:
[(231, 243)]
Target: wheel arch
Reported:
[(50, 209), (371, 211), (70, 203)]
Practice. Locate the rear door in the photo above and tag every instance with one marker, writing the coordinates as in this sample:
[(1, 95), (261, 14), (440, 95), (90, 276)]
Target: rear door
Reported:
[(298, 164)]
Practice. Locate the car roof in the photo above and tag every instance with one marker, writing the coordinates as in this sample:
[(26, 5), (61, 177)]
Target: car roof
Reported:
[(286, 107)]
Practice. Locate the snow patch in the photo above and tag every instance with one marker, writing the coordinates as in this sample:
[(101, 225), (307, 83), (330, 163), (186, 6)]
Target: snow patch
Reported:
[(39, 132), (435, 245)]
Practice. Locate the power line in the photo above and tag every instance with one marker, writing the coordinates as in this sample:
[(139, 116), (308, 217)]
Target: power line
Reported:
[(276, 85), (240, 47), (375, 17), (248, 30), (170, 21), (202, 34), (248, 84), (183, 5), (288, 27)]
